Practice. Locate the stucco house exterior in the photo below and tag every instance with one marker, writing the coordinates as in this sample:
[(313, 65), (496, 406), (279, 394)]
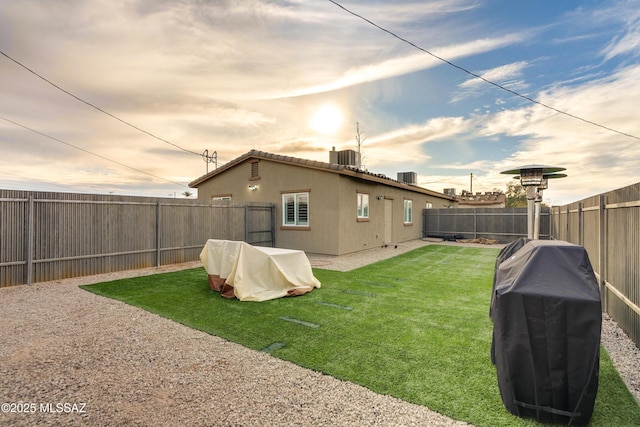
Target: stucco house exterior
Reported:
[(323, 208)]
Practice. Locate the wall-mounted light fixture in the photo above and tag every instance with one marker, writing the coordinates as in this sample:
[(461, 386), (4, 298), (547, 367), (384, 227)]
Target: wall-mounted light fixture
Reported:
[(253, 187), (379, 197)]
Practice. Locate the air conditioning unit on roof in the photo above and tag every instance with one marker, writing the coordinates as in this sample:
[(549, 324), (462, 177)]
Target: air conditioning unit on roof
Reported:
[(344, 157), (408, 177)]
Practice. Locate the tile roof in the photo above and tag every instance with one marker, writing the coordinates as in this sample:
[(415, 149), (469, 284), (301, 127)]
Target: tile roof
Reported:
[(313, 164)]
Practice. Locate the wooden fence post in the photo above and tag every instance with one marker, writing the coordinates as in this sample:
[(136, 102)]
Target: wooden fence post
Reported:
[(246, 223), (566, 236), (580, 224), (158, 230), (29, 240), (602, 254), (273, 225)]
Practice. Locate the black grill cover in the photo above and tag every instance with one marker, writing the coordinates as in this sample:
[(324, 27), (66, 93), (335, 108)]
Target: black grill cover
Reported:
[(506, 253), (547, 319)]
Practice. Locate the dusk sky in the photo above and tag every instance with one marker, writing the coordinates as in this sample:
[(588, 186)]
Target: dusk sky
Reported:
[(293, 78)]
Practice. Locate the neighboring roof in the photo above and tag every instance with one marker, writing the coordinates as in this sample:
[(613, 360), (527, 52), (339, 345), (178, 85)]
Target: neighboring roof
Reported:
[(327, 167), (489, 198)]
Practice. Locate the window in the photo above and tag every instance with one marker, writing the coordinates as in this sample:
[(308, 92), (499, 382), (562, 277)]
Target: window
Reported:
[(408, 211), (363, 205), (295, 209), (221, 198)]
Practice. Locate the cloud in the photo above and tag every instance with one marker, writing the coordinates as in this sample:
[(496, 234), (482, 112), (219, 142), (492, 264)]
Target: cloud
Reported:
[(628, 41), (433, 129), (402, 13), (405, 145), (508, 76), (404, 65), (504, 73), (595, 158)]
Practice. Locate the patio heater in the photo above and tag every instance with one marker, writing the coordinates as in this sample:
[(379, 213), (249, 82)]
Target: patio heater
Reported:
[(534, 178), (538, 201)]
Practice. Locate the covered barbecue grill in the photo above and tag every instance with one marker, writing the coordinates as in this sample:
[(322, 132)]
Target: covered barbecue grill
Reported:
[(547, 319)]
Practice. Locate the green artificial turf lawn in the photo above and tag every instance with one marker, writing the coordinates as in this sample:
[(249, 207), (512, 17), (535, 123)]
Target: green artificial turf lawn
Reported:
[(415, 326)]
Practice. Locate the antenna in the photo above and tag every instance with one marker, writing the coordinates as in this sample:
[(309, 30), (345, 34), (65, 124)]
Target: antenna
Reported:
[(213, 158), (359, 140)]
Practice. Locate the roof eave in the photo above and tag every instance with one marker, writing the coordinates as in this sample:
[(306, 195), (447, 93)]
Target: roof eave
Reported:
[(327, 167)]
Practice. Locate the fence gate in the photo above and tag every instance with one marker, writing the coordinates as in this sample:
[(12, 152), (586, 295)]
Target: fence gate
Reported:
[(260, 225)]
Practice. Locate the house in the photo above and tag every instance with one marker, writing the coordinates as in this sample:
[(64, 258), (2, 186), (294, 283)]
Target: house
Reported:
[(490, 199), (324, 208)]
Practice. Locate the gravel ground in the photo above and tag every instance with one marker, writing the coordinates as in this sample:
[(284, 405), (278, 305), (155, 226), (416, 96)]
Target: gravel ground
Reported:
[(69, 357)]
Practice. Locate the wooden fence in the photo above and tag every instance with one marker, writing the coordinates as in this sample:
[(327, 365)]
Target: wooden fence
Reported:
[(503, 224), (51, 236), (608, 226)]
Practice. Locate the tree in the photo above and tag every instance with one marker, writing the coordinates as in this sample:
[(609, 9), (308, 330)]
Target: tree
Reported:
[(187, 193), (516, 195)]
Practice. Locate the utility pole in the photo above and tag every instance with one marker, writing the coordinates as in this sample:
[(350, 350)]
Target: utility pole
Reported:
[(471, 183)]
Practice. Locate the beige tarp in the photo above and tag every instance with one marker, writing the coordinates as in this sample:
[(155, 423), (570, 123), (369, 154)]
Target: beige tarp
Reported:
[(254, 273)]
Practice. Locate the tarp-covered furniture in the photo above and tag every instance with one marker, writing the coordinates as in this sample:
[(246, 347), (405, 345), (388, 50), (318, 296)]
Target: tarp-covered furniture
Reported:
[(254, 273), (547, 320)]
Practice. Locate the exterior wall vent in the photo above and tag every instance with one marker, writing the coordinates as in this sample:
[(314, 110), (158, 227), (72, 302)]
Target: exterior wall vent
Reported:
[(410, 178)]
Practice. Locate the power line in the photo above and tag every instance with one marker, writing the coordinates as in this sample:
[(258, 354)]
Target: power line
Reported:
[(480, 77), (89, 152), (96, 107)]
